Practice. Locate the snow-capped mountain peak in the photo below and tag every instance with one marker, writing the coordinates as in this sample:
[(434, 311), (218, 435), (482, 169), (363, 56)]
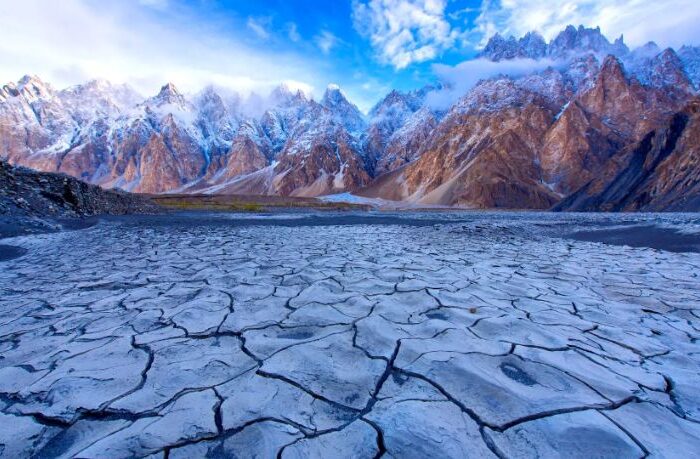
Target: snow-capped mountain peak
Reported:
[(333, 96), (576, 40), (532, 46), (31, 87), (99, 98), (570, 43), (343, 111), (281, 95), (169, 95)]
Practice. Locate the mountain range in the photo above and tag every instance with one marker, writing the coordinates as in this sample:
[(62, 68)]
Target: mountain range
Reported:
[(593, 125)]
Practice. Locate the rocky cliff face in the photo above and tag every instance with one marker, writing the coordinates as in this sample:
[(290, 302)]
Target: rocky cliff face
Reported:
[(398, 127), (660, 172), (525, 142), (482, 154)]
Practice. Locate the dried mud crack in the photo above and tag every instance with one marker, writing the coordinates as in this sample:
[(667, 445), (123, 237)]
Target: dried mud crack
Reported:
[(483, 338)]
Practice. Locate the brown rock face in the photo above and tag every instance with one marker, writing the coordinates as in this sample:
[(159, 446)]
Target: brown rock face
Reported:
[(575, 148), (479, 158), (661, 172), (627, 106), (244, 157), (612, 114), (156, 168), (151, 161), (330, 164)]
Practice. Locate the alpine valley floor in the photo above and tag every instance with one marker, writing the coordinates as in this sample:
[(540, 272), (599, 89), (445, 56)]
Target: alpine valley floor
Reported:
[(352, 335)]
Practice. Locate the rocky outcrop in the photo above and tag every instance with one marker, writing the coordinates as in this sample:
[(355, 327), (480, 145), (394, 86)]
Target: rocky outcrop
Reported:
[(406, 143), (344, 113), (24, 192)]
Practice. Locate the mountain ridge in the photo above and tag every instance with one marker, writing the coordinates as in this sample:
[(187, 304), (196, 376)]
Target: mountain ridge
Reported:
[(525, 141)]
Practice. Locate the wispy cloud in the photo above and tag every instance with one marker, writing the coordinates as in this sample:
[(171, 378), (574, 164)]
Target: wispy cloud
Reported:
[(293, 32), (326, 41), (259, 26), (71, 41), (404, 31), (459, 79)]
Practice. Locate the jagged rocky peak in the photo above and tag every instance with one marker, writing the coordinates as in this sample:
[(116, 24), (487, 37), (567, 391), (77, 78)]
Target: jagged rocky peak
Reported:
[(333, 96), (649, 49), (344, 112), (96, 85), (612, 69), (397, 106), (213, 102), (666, 70), (581, 39), (499, 48), (395, 103), (210, 99), (100, 95), (532, 46), (570, 42), (169, 95), (690, 56), (638, 61), (31, 87), (394, 97), (32, 82), (386, 118), (217, 117), (283, 95)]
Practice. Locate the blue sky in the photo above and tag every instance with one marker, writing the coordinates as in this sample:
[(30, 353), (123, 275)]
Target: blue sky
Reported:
[(368, 47)]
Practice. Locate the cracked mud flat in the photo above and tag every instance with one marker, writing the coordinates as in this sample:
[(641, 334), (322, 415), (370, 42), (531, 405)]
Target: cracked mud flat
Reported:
[(426, 335)]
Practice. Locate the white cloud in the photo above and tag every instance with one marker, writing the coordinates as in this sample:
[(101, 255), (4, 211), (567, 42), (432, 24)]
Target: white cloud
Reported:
[(299, 86), (668, 22), (326, 41), (293, 32), (459, 79), (124, 41), (404, 31), (259, 27)]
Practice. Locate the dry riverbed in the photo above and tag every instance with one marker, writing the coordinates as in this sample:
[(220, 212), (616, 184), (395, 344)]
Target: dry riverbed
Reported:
[(352, 335)]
